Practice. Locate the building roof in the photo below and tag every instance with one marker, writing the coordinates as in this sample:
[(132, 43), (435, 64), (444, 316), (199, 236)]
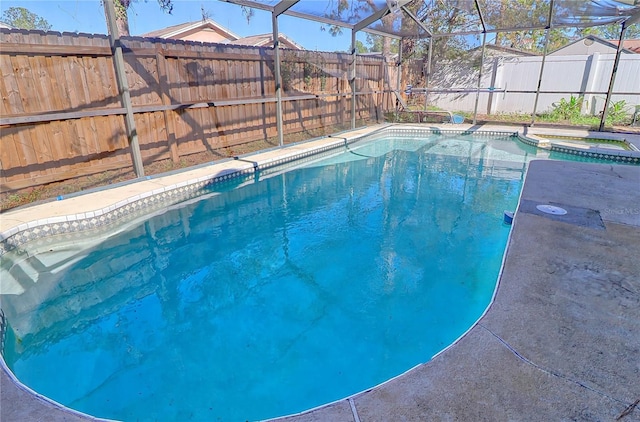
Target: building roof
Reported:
[(633, 45), (263, 40), (608, 43), (506, 50), (6, 26), (511, 50), (176, 30)]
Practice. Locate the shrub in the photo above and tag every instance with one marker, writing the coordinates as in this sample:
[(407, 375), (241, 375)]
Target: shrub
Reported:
[(567, 110), (617, 112)]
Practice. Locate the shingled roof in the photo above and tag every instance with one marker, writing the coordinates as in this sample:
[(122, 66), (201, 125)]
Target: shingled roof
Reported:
[(266, 40), (195, 31)]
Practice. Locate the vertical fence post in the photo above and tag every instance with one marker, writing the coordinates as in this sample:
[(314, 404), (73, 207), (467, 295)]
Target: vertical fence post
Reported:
[(592, 72), (492, 102), (123, 86)]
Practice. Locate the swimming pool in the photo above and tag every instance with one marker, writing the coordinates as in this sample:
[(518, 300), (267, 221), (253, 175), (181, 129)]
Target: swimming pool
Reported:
[(200, 299)]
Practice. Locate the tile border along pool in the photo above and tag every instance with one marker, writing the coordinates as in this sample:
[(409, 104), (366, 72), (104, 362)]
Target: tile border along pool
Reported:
[(544, 350), (95, 210)]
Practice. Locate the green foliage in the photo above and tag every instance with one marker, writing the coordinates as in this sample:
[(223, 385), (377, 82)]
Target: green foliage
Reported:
[(570, 110), (360, 47), (376, 44), (302, 71), (308, 71), (21, 18), (612, 31), (567, 110), (617, 112), (18, 199)]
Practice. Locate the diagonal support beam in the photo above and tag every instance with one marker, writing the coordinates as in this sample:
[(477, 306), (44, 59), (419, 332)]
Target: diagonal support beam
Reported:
[(283, 6), (635, 18), (252, 4), (417, 21), (479, 9), (371, 18)]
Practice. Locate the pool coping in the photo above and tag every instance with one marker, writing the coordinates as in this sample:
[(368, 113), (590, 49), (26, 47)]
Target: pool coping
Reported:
[(133, 195)]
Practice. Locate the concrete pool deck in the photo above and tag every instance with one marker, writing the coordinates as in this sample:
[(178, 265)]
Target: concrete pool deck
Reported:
[(559, 342)]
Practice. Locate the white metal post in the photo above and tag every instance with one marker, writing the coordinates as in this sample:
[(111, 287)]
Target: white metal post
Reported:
[(277, 76), (352, 79), (544, 57), (428, 74), (475, 109), (605, 112)]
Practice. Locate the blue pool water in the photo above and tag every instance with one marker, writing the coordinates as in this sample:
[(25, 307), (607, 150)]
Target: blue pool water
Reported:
[(274, 296)]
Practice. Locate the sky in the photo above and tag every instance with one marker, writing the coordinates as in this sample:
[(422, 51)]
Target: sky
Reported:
[(145, 16)]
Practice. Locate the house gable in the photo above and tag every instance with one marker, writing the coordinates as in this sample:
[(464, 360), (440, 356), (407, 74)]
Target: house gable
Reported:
[(204, 31), (588, 45)]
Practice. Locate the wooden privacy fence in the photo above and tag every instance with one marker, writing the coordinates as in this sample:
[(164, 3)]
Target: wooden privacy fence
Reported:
[(61, 116)]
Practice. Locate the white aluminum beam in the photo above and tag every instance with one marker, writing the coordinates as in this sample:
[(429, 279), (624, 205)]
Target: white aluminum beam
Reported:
[(278, 76), (283, 6), (371, 19), (612, 82)]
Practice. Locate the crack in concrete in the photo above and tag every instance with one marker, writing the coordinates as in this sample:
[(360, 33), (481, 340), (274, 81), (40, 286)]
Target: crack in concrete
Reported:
[(354, 411), (551, 372), (613, 170)]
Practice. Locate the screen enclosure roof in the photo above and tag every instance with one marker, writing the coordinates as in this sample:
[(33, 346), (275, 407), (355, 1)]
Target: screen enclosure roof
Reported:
[(438, 18)]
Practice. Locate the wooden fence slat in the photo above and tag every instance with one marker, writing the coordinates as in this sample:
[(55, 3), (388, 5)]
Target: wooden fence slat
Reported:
[(163, 93), (11, 76), (27, 141), (9, 154)]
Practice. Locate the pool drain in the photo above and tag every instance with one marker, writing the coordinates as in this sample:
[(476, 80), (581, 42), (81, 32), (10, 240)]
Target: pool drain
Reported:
[(551, 209)]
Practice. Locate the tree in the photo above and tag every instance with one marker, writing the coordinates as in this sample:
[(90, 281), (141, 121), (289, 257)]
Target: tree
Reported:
[(353, 11), (376, 43), (612, 32), (122, 19), (19, 17), (360, 47)]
